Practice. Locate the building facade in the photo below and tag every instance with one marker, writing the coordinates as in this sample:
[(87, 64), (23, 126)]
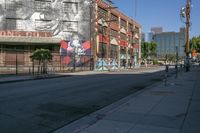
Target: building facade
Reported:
[(153, 31), (118, 38), (150, 36), (26, 25), (168, 42), (156, 30), (71, 29), (143, 39)]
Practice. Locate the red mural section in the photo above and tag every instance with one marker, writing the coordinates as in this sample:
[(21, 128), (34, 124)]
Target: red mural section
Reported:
[(123, 43), (136, 47), (75, 52), (104, 39)]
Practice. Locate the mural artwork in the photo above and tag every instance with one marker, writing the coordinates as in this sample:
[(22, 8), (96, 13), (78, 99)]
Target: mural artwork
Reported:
[(75, 51), (68, 20)]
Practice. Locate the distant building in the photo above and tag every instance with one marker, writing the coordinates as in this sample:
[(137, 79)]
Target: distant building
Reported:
[(150, 37), (167, 42), (156, 30), (143, 37), (153, 31)]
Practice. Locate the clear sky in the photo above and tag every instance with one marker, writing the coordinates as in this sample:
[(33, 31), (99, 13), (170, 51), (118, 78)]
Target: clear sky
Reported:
[(163, 13)]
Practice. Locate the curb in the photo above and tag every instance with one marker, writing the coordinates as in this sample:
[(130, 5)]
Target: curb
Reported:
[(39, 77), (84, 122)]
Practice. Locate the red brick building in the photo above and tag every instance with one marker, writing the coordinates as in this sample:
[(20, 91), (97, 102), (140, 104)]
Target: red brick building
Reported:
[(118, 38)]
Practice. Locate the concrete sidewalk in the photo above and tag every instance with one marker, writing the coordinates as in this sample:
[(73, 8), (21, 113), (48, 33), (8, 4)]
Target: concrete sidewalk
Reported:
[(174, 108)]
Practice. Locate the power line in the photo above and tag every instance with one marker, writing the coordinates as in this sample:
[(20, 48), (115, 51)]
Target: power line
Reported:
[(135, 8)]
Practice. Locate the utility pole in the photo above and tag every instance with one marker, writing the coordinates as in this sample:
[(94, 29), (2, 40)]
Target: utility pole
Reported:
[(187, 13), (92, 44), (92, 11), (185, 17), (135, 8)]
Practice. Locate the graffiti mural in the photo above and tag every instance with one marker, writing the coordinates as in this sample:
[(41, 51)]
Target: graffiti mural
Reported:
[(60, 17), (75, 50), (68, 20)]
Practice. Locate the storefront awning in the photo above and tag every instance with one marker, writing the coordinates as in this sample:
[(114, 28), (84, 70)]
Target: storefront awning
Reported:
[(29, 40)]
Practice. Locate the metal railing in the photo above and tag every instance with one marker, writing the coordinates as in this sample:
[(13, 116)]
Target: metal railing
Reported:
[(19, 62)]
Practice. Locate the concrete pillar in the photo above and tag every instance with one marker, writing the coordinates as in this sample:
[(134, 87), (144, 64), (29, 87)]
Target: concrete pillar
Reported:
[(27, 55), (97, 46), (1, 55), (118, 57), (140, 41), (126, 57)]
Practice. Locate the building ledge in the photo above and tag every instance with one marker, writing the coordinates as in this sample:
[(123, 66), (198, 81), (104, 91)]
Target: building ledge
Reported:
[(34, 40)]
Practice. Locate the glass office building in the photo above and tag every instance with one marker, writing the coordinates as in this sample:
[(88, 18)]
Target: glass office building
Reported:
[(168, 41)]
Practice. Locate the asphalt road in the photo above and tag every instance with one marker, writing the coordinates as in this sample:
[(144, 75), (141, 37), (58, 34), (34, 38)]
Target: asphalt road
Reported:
[(41, 106)]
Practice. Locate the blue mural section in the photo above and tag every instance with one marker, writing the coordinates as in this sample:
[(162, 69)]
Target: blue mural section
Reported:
[(104, 65)]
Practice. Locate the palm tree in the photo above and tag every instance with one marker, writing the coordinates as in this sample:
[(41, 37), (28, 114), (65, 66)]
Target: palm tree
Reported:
[(43, 56)]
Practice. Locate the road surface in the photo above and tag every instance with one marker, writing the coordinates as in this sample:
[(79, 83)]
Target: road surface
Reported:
[(42, 106)]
